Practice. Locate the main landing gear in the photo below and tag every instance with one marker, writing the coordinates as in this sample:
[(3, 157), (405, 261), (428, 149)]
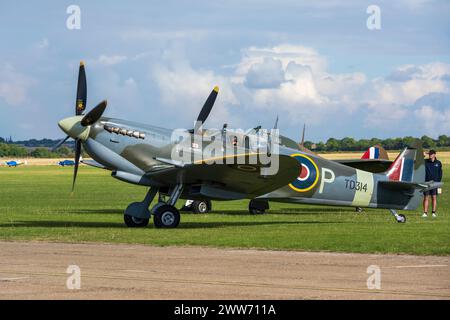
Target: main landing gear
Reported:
[(165, 215), (400, 218)]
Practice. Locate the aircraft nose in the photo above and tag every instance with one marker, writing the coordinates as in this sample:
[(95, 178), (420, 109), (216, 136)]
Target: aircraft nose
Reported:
[(73, 128), (66, 125)]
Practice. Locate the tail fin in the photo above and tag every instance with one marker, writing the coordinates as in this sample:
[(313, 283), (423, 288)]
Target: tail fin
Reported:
[(375, 152), (409, 165)]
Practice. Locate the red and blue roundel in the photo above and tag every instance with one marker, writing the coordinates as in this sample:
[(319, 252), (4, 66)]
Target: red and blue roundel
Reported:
[(308, 175)]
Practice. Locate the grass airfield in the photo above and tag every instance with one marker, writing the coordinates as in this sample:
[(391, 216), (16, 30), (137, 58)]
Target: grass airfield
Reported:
[(35, 204)]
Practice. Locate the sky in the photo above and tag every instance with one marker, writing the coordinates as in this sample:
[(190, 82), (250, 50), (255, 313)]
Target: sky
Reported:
[(313, 62)]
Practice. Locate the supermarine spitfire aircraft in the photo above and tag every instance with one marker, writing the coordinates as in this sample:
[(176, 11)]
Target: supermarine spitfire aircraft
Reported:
[(142, 154)]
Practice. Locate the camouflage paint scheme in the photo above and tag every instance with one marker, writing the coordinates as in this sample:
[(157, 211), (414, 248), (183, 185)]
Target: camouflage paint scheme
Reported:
[(135, 160), (338, 184)]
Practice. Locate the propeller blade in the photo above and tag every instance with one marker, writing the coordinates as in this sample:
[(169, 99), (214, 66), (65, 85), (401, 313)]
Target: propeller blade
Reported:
[(207, 107), (92, 116), (81, 91), (77, 161), (60, 143)]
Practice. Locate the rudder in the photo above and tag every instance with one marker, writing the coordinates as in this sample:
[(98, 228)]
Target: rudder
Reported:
[(409, 165)]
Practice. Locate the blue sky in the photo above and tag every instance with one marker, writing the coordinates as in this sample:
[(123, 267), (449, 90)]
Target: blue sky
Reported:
[(306, 61)]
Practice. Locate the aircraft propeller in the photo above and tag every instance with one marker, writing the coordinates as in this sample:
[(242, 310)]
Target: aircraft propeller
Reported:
[(77, 128)]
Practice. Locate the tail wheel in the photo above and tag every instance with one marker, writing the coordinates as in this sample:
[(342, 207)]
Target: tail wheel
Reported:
[(203, 206), (134, 222), (401, 218), (166, 216)]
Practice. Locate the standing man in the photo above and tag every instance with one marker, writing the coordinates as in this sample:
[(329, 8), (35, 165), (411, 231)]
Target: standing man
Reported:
[(433, 172)]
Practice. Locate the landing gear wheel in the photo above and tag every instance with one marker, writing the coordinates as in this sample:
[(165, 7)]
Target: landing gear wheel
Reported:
[(401, 218), (166, 216), (133, 222), (257, 206), (256, 211), (203, 206)]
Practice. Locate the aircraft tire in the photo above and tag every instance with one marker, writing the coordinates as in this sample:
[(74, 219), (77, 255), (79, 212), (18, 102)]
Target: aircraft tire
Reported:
[(202, 206), (133, 222), (402, 218), (166, 216)]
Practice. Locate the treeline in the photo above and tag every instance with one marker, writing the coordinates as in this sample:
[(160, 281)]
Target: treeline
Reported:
[(350, 144), (34, 148), (34, 143), (14, 150)]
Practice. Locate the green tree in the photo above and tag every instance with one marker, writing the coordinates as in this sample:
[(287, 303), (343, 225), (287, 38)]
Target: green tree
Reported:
[(348, 144), (43, 153), (443, 141), (64, 151), (332, 145), (320, 147), (427, 142)]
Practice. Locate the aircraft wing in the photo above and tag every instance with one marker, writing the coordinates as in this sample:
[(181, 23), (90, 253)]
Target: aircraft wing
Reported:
[(228, 181), (370, 165)]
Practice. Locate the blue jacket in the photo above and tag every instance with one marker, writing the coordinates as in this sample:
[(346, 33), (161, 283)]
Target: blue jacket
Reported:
[(433, 170)]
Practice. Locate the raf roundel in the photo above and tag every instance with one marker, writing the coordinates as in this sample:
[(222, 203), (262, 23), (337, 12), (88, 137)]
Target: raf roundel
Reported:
[(308, 176)]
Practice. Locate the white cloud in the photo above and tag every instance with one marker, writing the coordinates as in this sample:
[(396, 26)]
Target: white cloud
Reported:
[(395, 101), (285, 53), (268, 74), (183, 90), (122, 93), (14, 85), (433, 121), (293, 81), (308, 92)]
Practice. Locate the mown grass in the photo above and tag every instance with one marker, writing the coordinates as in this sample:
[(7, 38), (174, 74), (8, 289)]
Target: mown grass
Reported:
[(35, 204)]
